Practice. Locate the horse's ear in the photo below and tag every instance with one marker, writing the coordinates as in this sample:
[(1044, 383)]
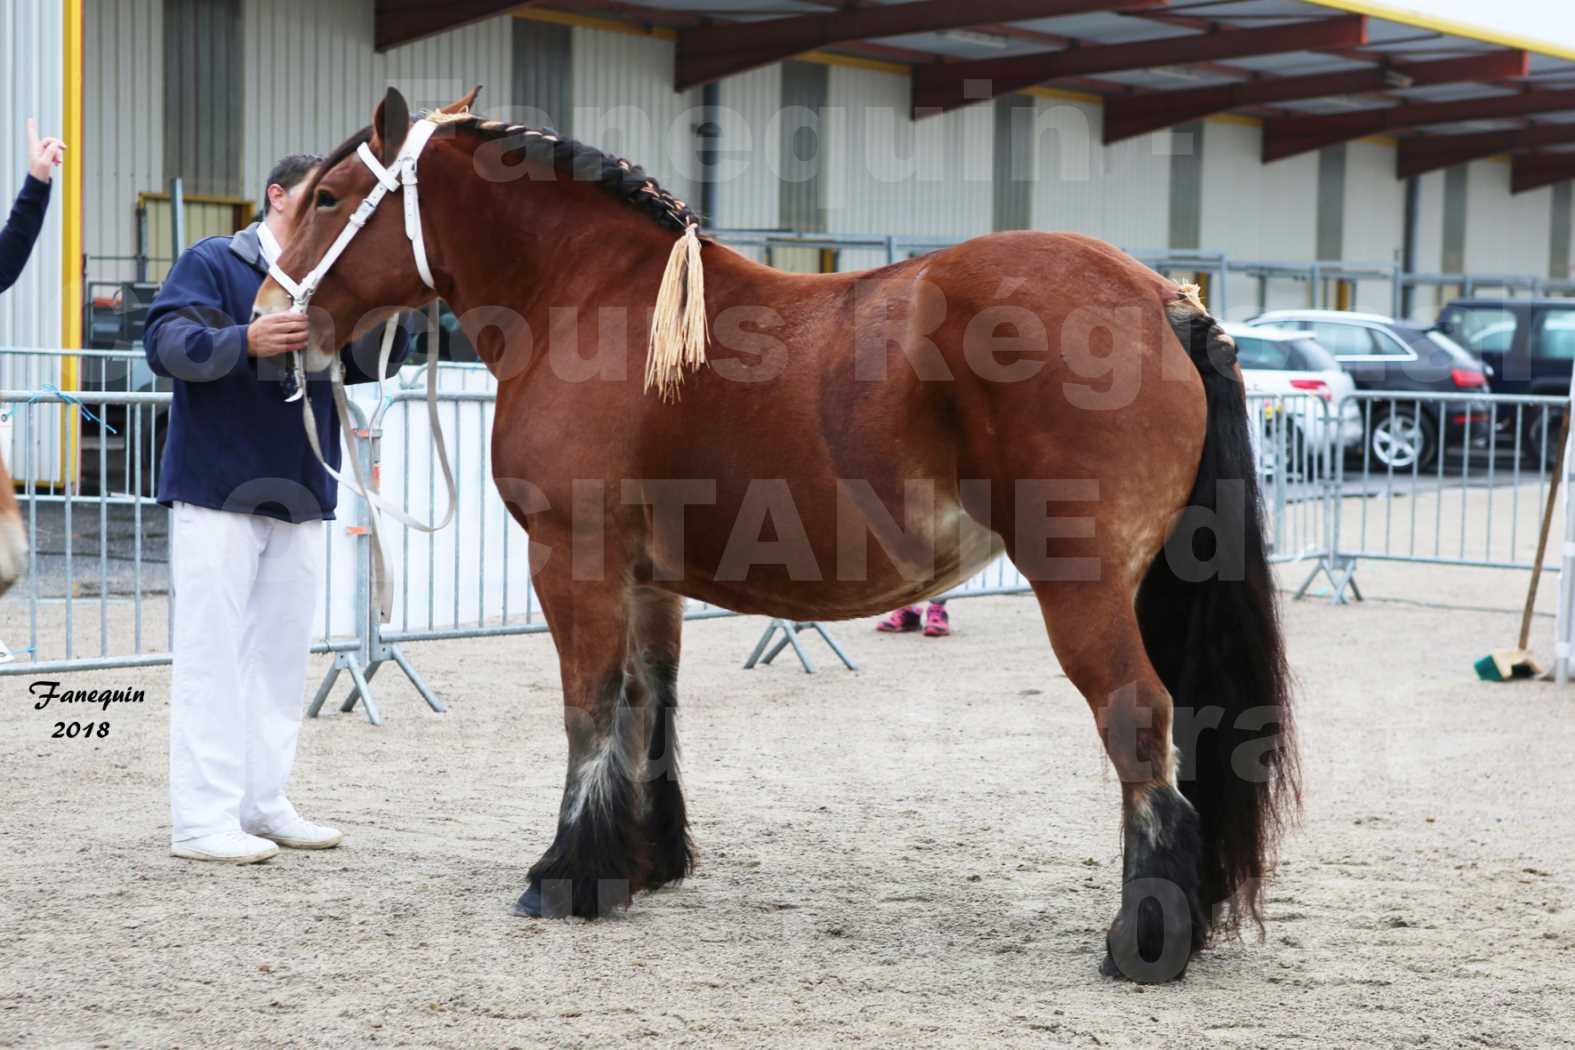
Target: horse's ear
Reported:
[(390, 125), (464, 104)]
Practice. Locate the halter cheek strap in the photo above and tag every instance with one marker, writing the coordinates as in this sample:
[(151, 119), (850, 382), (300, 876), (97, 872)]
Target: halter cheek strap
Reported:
[(400, 175)]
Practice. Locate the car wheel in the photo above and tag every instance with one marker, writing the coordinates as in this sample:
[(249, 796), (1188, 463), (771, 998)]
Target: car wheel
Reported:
[(1541, 425), (1294, 451), (1402, 439)]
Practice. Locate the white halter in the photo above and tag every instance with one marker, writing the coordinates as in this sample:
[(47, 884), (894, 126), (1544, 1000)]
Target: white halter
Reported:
[(400, 175)]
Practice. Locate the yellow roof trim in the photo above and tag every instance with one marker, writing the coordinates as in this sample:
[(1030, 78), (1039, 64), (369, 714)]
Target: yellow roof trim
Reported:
[(826, 58), (1062, 93), (566, 18), (1449, 26)]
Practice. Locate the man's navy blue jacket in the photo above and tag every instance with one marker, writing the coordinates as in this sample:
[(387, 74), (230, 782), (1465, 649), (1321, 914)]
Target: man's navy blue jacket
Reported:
[(21, 230), (234, 442)]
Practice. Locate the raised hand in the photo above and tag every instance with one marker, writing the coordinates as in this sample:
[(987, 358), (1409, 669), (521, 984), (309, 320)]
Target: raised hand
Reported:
[(43, 155)]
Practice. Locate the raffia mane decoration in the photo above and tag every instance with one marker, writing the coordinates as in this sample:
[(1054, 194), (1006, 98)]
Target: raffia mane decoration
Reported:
[(678, 329)]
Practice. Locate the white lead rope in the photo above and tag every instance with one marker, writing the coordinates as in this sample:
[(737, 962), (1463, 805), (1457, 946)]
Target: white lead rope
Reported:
[(375, 503)]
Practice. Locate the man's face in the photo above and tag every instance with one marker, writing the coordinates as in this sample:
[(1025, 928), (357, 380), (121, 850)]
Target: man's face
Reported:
[(282, 202)]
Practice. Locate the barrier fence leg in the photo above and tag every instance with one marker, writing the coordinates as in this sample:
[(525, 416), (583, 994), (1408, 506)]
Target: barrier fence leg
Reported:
[(760, 646), (1341, 574), (790, 637), (790, 630), (327, 687), (355, 691), (373, 715), (832, 642), (416, 680)]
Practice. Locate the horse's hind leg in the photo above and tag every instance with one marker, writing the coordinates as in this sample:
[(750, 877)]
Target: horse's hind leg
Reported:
[(598, 856), (1094, 631), (652, 676)]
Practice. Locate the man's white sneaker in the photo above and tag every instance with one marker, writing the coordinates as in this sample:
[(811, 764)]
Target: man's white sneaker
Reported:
[(226, 847), (301, 833)]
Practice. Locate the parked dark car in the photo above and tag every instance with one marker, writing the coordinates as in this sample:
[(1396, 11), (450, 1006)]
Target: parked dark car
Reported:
[(1381, 353), (1528, 343)]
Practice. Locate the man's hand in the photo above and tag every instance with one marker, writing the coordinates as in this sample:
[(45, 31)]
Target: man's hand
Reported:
[(42, 154), (274, 334)]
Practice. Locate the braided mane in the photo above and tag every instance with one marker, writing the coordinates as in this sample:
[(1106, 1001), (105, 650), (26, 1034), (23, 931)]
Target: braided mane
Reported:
[(613, 175), (678, 321)]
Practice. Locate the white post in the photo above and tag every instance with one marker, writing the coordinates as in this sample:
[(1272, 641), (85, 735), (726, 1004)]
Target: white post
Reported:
[(1566, 629)]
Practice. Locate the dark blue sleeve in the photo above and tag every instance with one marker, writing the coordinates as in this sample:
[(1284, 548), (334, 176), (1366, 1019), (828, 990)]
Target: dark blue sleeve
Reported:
[(360, 357), (188, 334), (21, 230)]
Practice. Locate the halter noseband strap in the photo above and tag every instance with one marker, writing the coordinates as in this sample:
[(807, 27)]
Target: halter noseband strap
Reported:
[(401, 174)]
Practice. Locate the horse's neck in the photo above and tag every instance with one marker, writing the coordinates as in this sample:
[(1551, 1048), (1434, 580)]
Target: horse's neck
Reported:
[(528, 256)]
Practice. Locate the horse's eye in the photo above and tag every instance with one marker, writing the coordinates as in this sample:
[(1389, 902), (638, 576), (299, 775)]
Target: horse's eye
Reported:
[(326, 199)]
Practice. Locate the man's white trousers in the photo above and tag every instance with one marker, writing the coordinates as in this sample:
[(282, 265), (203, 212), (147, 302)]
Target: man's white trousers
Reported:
[(245, 594)]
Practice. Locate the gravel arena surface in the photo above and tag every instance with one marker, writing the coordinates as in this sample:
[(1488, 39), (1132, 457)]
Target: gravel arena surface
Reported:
[(924, 853)]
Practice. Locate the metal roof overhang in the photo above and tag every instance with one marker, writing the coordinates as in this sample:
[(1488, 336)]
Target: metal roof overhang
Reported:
[(1315, 72)]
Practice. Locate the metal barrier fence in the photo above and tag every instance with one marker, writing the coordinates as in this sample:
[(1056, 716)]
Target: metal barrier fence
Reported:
[(1464, 482), (1456, 480)]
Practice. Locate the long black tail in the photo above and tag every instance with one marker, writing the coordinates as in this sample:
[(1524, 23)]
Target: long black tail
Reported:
[(1217, 647)]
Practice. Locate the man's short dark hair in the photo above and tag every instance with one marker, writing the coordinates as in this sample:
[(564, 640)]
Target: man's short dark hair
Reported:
[(288, 174)]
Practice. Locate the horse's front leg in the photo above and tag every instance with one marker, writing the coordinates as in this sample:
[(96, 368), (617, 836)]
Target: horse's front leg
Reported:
[(599, 855)]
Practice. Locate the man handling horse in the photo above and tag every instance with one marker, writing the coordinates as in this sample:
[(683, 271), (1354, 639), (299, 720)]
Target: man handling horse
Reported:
[(249, 496)]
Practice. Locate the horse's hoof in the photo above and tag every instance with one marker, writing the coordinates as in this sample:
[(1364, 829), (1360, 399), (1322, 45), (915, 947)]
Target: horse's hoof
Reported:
[(529, 904), (1159, 971)]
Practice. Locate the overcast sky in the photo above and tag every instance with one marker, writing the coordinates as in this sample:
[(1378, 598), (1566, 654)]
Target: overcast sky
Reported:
[(1549, 20)]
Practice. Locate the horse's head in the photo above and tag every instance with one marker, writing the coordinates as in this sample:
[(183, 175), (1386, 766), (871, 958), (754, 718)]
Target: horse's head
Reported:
[(377, 273)]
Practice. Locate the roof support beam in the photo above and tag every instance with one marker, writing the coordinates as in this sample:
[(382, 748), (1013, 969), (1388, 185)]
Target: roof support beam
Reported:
[(1127, 116), (1532, 171), (396, 22), (1288, 136), (710, 52), (1420, 154), (947, 85)]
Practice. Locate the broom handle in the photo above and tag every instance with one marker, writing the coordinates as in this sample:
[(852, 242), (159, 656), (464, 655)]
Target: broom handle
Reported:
[(1542, 539)]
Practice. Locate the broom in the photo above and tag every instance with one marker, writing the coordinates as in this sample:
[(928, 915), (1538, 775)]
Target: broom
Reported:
[(1503, 665)]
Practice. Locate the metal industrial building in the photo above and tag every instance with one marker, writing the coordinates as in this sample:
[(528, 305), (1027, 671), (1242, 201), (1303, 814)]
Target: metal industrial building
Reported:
[(1179, 127)]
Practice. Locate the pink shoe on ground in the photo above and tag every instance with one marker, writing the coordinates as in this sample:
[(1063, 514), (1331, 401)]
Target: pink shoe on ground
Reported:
[(936, 623), (900, 621)]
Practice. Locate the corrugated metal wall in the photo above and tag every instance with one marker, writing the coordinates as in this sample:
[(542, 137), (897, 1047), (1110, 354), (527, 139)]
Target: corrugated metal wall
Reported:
[(203, 108), (1012, 164), (543, 72), (747, 196), (308, 91), (885, 173), (1374, 217), (1259, 212), (1563, 209), (1120, 192), (624, 104), (1505, 234), (31, 43), (123, 123)]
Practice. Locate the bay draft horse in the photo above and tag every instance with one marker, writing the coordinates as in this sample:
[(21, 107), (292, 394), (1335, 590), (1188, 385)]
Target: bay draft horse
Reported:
[(825, 399)]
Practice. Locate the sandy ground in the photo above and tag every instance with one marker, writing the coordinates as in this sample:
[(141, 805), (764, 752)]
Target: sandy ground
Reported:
[(924, 853)]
